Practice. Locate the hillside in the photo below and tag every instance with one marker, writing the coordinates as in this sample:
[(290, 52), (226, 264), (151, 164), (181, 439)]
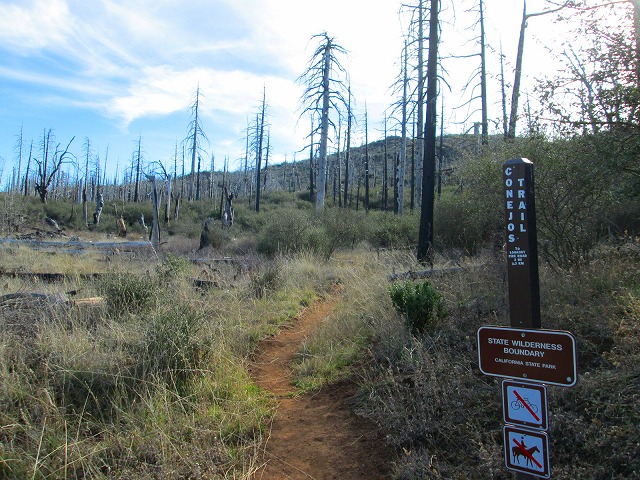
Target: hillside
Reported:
[(128, 362)]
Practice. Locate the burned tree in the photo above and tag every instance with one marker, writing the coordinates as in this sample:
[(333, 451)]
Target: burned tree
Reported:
[(50, 164), (323, 92), (425, 237), (196, 135)]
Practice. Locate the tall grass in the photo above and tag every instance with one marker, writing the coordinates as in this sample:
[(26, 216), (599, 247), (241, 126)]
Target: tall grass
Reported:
[(426, 393), (153, 384)]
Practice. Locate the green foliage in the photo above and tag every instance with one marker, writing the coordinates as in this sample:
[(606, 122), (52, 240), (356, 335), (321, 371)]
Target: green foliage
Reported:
[(285, 232), (127, 293), (171, 346), (575, 193), (173, 266), (385, 230), (464, 224), (267, 280), (212, 234), (420, 304)]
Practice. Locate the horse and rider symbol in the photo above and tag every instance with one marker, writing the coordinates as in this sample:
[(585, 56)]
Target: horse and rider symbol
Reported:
[(521, 450), (527, 450)]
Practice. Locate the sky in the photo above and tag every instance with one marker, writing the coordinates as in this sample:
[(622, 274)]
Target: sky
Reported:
[(118, 71)]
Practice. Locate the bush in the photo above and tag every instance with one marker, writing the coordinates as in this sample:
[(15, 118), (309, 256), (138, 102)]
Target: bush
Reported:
[(392, 231), (462, 223), (285, 232), (265, 281), (172, 267), (212, 235), (171, 348), (420, 304), (127, 293)]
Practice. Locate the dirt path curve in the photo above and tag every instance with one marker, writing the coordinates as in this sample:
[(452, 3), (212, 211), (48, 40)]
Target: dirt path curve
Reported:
[(313, 436)]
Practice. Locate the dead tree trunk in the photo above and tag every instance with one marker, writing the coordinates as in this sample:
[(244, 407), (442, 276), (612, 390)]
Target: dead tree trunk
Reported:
[(99, 206)]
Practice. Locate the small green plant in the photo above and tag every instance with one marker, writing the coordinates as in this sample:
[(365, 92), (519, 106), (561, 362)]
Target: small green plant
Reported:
[(286, 232), (419, 303), (172, 347), (266, 281), (127, 293), (173, 266)]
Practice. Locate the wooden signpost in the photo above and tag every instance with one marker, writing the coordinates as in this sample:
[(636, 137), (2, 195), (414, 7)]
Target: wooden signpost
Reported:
[(522, 243), (524, 352)]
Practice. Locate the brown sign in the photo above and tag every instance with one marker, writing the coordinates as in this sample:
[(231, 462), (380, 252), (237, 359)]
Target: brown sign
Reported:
[(544, 356), (522, 243)]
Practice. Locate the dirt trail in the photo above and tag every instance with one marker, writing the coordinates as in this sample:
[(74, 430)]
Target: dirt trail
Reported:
[(313, 436)]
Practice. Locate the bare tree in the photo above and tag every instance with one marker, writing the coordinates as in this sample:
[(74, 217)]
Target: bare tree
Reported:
[(26, 173), (49, 164), (483, 78), (19, 148), (403, 128), (311, 159), (515, 94), (196, 135), (366, 159), (503, 90), (425, 236), (322, 93), (415, 44), (347, 147), (137, 166), (258, 142)]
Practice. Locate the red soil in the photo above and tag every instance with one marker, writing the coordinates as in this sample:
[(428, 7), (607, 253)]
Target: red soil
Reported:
[(313, 435)]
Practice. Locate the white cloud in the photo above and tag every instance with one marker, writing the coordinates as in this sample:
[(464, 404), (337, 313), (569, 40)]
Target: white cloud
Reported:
[(34, 25), (162, 90)]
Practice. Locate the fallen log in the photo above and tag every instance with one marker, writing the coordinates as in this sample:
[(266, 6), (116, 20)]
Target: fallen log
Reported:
[(415, 275), (25, 299)]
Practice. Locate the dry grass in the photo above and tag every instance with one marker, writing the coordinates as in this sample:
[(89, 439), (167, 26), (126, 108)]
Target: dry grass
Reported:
[(131, 390), (444, 417), (163, 392)]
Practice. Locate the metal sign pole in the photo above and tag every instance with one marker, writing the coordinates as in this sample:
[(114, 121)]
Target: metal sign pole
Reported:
[(522, 248)]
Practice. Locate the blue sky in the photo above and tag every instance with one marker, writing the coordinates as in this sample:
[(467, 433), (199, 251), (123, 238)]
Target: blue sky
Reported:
[(113, 70)]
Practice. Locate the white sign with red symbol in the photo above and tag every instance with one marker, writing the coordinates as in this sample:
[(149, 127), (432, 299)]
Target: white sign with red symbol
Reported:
[(525, 404), (527, 451)]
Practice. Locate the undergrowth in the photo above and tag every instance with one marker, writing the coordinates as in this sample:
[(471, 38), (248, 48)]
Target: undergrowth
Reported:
[(444, 418), (151, 383)]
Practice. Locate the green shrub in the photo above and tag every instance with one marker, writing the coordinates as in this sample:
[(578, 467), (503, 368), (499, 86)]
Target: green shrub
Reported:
[(419, 303), (462, 223), (286, 231), (341, 228), (171, 347), (266, 280), (212, 234), (127, 293), (392, 231), (172, 267)]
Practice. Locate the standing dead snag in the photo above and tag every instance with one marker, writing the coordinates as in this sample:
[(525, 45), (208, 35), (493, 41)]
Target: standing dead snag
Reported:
[(323, 92), (228, 213), (154, 235), (142, 224), (99, 205), (49, 165), (122, 227)]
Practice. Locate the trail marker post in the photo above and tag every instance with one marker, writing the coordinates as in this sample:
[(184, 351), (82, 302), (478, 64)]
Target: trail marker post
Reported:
[(524, 351), (522, 243)]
